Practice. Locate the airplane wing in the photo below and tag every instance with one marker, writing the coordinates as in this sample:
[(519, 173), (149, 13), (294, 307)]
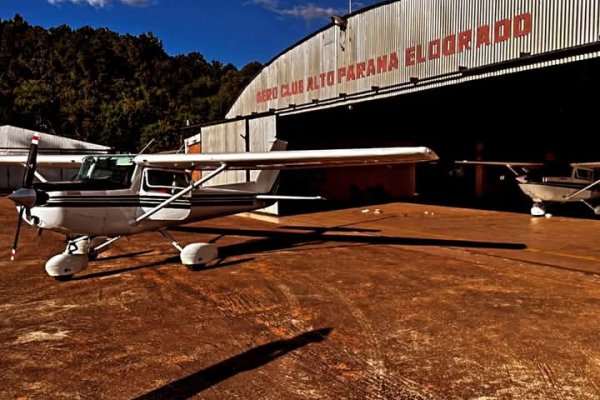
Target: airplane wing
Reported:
[(514, 167), (290, 159), (591, 165), (502, 163), (45, 160)]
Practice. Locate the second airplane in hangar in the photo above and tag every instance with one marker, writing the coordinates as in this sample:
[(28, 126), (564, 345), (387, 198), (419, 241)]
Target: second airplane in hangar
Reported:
[(544, 187)]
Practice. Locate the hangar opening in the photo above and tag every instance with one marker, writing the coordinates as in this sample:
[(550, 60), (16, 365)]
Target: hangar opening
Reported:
[(528, 116)]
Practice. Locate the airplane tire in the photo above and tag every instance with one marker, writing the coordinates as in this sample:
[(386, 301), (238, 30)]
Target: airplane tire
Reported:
[(198, 254), (92, 255), (538, 210), (195, 267)]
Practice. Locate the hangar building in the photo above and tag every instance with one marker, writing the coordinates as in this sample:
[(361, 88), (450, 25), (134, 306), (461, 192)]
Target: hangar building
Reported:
[(16, 141), (487, 79)]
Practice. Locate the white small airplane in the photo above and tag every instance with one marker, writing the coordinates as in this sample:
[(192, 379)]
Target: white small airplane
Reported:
[(118, 195), (582, 185)]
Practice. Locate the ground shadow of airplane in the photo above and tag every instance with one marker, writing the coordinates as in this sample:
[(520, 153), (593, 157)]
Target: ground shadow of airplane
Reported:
[(249, 360), (294, 238)]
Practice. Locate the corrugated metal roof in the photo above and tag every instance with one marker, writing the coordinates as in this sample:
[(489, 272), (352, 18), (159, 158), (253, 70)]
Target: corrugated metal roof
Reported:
[(15, 138), (401, 46)]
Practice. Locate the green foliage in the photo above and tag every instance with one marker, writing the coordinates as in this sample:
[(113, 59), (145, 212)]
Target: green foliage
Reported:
[(117, 90)]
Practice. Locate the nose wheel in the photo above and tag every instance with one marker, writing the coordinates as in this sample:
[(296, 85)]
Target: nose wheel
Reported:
[(76, 256)]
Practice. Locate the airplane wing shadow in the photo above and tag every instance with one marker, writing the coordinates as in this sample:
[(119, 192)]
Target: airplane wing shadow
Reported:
[(254, 358), (273, 240)]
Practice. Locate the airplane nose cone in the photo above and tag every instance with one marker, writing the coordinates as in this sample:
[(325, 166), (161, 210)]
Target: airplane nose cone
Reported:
[(24, 197)]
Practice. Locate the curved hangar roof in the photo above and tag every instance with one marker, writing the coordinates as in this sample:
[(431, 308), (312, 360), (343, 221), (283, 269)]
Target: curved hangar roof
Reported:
[(409, 45)]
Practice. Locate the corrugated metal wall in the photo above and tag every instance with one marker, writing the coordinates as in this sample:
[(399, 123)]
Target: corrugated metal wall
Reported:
[(410, 40), (262, 135), (225, 138), (230, 137)]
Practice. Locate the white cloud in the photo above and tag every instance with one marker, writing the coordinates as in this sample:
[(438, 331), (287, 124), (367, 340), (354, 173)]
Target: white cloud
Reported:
[(136, 3), (103, 3), (309, 11), (268, 4)]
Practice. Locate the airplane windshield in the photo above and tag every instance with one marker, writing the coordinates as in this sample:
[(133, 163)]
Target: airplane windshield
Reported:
[(114, 169)]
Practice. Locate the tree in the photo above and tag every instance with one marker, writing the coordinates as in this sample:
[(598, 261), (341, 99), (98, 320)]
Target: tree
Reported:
[(118, 90)]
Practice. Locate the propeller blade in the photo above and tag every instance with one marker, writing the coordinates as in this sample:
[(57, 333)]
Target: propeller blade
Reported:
[(31, 161), (26, 195), (13, 253)]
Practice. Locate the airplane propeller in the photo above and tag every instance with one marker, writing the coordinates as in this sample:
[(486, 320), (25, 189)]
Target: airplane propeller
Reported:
[(26, 196)]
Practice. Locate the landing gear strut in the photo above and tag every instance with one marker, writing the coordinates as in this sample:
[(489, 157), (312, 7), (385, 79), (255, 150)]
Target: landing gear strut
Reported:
[(595, 209)]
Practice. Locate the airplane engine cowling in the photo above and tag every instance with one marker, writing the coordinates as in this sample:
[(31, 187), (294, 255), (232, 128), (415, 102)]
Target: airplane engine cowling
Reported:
[(198, 253)]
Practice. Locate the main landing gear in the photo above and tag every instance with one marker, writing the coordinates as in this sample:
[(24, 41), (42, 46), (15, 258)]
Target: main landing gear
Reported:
[(595, 209), (193, 255), (538, 209), (76, 256)]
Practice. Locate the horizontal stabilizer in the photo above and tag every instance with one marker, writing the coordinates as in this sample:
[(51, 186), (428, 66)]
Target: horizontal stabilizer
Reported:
[(277, 197), (591, 164)]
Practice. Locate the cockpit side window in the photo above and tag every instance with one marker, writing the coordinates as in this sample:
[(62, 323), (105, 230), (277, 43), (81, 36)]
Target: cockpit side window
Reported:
[(581, 173), (165, 181)]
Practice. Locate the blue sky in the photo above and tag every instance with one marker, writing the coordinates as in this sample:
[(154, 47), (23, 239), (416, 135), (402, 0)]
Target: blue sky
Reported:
[(231, 31)]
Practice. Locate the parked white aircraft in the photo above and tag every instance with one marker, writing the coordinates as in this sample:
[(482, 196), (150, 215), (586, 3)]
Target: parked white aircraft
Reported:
[(117, 195), (582, 185)]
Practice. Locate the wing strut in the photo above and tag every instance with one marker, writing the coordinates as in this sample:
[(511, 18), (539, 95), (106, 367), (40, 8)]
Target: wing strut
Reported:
[(588, 187), (185, 191), (40, 176)]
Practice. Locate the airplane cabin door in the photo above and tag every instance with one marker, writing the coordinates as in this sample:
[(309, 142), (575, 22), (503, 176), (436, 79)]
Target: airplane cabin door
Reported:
[(159, 185)]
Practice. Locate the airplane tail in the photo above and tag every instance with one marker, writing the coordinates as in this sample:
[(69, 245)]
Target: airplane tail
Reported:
[(268, 179)]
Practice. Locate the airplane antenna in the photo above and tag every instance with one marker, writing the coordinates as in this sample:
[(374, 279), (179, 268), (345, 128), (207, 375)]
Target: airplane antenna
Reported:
[(146, 146)]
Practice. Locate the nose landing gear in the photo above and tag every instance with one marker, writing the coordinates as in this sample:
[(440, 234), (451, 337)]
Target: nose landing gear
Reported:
[(76, 256)]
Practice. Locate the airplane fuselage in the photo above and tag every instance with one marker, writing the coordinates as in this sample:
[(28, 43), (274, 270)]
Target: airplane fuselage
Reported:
[(558, 191), (110, 194), (114, 212)]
